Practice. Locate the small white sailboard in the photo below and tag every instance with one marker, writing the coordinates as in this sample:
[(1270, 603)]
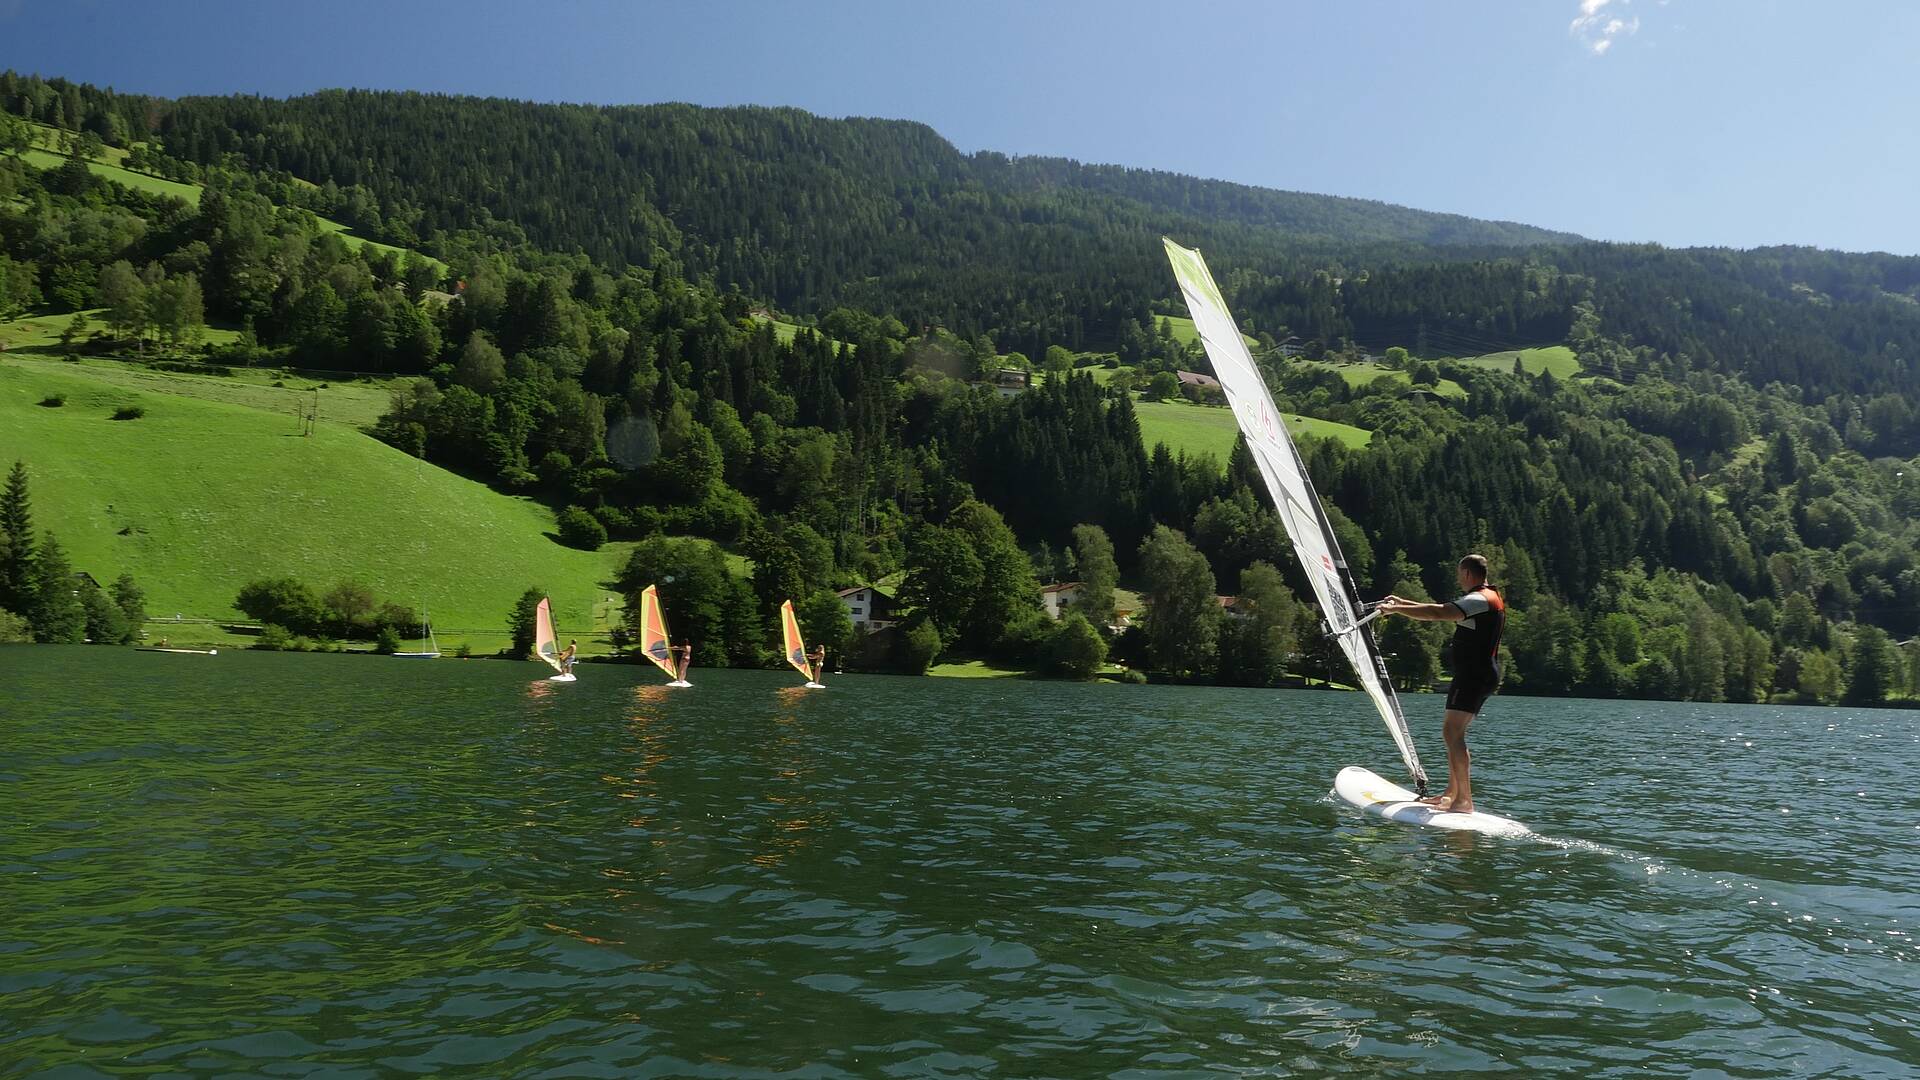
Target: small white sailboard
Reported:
[(1376, 795)]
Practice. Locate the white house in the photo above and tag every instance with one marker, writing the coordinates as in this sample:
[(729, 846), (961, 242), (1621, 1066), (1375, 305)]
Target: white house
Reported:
[(1058, 598), (1012, 382), (870, 609)]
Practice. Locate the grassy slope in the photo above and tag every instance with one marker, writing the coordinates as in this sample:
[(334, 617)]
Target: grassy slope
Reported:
[(46, 159), (1186, 333), (108, 167), (30, 342), (1555, 358), (1204, 429), (974, 669), (200, 496), (1209, 429), (43, 331), (784, 331), (1359, 375)]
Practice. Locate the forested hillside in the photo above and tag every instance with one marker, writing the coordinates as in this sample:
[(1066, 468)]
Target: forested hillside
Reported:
[(1720, 504)]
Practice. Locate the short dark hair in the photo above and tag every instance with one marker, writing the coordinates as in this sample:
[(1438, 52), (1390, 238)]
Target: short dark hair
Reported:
[(1475, 563)]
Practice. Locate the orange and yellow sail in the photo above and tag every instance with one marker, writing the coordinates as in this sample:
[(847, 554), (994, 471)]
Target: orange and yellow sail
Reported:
[(653, 633), (795, 645)]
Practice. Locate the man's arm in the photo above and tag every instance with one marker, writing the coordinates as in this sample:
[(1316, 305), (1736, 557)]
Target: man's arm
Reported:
[(1393, 605)]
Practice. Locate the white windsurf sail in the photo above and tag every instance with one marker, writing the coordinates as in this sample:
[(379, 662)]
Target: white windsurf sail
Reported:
[(1294, 499), (545, 645), (430, 645)]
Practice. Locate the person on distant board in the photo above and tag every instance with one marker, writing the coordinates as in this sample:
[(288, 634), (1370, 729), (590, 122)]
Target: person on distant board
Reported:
[(1479, 616), (817, 660), (566, 658), (680, 656)]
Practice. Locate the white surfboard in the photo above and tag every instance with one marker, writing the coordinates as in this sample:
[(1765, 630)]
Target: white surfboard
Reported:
[(563, 677), (1370, 792)]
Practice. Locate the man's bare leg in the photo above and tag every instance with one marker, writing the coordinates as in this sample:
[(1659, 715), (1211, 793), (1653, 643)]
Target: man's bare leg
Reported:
[(1459, 762)]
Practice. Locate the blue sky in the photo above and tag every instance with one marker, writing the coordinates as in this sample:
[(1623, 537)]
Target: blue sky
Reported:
[(1738, 122)]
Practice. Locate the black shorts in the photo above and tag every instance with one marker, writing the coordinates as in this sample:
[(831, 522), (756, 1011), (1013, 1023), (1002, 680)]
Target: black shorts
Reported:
[(1467, 695)]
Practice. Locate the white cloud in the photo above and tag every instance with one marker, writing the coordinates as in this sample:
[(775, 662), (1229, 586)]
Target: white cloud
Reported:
[(1598, 30)]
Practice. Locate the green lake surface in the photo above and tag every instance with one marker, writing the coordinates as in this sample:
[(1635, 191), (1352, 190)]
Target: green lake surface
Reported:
[(290, 865)]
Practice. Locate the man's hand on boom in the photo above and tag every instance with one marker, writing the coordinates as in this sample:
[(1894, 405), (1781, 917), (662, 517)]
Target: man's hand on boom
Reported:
[(1415, 609)]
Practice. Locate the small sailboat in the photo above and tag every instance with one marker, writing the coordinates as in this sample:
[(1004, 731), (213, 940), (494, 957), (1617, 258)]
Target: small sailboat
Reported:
[(432, 650), (808, 664), (654, 642), (546, 645)]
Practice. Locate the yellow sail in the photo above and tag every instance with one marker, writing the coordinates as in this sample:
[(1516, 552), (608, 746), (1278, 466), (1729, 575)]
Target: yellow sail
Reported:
[(545, 644), (653, 632), (796, 647)]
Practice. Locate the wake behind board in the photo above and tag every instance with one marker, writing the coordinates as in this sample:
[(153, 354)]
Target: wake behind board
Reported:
[(1375, 795)]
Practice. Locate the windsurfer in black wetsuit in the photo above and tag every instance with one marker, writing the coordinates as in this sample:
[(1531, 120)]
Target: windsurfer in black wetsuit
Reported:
[(1479, 616)]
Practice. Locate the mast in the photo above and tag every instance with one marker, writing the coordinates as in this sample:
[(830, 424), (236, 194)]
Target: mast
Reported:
[(1294, 499)]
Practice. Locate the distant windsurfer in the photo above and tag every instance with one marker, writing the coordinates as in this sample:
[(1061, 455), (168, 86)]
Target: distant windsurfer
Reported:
[(681, 656), (817, 661), (1479, 616), (566, 658)]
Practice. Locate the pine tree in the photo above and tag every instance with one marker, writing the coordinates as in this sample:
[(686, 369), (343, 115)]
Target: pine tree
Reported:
[(1877, 673), (55, 610), (520, 622), (16, 542), (1183, 609), (105, 623), (1099, 572), (132, 601)]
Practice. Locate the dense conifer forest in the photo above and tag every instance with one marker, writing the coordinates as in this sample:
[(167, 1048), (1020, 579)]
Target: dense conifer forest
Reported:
[(759, 332)]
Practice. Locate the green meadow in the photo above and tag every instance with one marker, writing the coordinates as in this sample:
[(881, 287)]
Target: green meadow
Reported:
[(1210, 429), (975, 669), (1186, 333), (108, 167), (200, 495), (31, 342), (1558, 359), (784, 331), (1367, 373), (46, 159)]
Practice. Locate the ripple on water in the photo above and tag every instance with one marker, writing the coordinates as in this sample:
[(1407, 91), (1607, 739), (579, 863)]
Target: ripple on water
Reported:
[(280, 864)]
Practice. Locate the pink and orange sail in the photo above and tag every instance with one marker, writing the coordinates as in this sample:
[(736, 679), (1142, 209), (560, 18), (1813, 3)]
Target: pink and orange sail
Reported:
[(653, 637), (545, 644)]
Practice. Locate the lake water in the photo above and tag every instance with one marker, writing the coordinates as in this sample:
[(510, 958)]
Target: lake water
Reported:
[(308, 865)]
